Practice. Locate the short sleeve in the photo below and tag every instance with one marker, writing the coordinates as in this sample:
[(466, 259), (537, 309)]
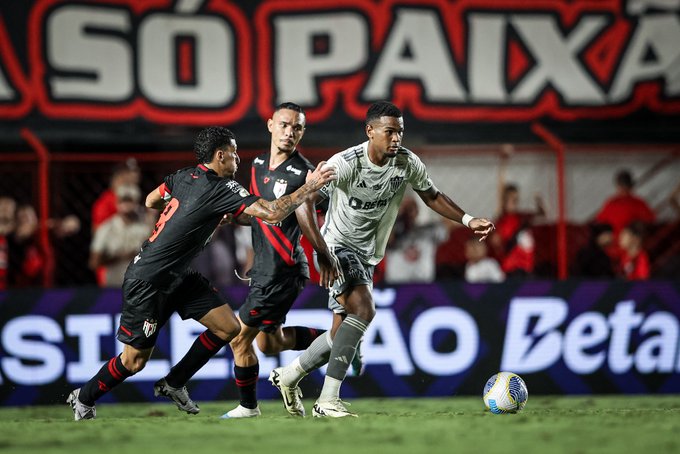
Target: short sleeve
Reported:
[(418, 177), (233, 198), (343, 173)]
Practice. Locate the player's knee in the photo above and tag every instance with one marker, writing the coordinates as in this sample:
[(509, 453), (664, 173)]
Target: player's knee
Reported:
[(228, 332), (134, 364), (366, 313), (238, 345), (363, 311), (270, 348)]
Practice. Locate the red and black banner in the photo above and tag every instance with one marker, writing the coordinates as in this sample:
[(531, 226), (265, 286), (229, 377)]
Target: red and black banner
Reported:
[(159, 63)]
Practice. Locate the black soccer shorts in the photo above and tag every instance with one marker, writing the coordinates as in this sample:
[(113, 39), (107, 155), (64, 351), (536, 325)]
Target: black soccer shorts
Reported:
[(147, 308), (269, 301)]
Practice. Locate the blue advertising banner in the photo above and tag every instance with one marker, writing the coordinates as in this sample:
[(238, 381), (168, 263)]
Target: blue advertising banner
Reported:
[(574, 337)]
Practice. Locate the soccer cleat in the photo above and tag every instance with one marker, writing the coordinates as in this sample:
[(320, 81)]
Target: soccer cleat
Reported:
[(292, 397), (358, 362), (179, 395), (242, 412), (80, 410), (331, 409)]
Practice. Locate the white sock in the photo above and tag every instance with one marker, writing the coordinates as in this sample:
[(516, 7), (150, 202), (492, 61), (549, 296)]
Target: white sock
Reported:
[(331, 389), (292, 373)]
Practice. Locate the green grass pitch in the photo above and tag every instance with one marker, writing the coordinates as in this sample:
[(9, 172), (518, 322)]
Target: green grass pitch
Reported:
[(616, 424)]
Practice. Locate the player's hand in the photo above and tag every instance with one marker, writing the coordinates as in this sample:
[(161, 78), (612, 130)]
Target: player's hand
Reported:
[(482, 227), (329, 269), (321, 175)]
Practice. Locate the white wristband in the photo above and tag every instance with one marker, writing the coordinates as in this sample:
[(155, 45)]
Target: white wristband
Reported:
[(466, 220)]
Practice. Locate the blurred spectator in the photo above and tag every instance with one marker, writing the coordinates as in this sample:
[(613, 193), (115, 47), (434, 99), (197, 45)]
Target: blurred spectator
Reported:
[(593, 260), (126, 173), (513, 242), (64, 227), (480, 267), (26, 257), (8, 208), (624, 207), (118, 239), (674, 199), (410, 255), (634, 259)]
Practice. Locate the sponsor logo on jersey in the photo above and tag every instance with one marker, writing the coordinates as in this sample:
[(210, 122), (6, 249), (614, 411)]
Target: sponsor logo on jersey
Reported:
[(258, 161), (359, 204), (149, 327), (295, 170), (280, 187), (234, 186), (243, 192)]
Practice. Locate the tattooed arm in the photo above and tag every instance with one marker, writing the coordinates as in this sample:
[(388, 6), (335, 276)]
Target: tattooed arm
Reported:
[(277, 210)]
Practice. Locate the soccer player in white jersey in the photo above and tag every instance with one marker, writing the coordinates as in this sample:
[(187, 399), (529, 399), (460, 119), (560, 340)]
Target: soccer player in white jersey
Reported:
[(363, 205)]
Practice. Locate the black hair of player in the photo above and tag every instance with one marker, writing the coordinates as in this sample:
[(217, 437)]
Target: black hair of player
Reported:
[(290, 106), (382, 109), (211, 139)]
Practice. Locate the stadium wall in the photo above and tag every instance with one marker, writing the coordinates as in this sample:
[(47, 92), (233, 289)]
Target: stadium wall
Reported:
[(570, 337)]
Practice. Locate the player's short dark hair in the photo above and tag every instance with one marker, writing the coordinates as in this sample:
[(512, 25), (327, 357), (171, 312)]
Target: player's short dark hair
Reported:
[(211, 139), (290, 106), (625, 179), (382, 109)]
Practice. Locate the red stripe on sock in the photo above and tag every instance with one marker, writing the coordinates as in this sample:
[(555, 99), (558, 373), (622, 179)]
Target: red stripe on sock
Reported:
[(207, 342), (248, 382), (112, 370)]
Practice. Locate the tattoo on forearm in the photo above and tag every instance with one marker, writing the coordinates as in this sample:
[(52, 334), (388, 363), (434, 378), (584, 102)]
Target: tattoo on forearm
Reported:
[(288, 203)]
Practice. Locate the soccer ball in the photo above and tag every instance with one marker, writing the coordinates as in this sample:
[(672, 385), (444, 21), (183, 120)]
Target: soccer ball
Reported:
[(505, 392)]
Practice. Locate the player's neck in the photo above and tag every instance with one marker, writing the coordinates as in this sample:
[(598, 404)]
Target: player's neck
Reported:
[(378, 159), (277, 157)]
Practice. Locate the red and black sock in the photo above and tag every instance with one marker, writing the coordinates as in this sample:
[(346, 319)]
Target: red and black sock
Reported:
[(246, 381), (203, 348), (110, 375), (304, 336)]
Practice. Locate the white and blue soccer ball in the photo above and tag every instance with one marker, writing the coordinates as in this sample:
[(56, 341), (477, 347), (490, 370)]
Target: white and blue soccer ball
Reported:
[(505, 392)]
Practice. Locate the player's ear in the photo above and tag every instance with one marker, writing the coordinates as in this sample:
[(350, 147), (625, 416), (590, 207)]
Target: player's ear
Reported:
[(270, 125), (369, 130)]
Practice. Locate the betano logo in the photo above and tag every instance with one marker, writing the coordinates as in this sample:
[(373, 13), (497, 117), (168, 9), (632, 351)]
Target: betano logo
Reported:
[(622, 340), (193, 62)]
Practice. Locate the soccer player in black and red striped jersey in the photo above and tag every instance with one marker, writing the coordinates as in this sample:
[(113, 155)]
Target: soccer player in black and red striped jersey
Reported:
[(280, 270), (159, 281)]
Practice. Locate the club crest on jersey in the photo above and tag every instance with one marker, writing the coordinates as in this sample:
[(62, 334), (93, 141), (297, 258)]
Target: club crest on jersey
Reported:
[(149, 327), (266, 180), (280, 188), (395, 182)]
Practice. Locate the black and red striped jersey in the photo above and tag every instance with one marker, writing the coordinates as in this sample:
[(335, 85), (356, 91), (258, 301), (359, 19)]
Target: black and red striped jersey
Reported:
[(277, 247), (197, 199)]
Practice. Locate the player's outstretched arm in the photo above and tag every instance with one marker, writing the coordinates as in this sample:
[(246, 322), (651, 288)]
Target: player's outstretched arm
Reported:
[(275, 211), (442, 204), (329, 268), (154, 199)]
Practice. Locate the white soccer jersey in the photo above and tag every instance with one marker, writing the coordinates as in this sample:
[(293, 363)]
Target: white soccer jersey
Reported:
[(364, 200)]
